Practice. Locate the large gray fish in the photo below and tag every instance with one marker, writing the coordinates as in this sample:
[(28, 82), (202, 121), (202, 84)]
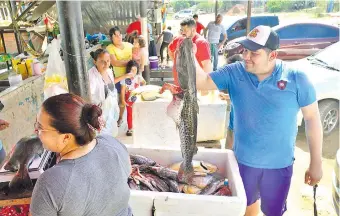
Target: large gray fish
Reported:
[(21, 157), (184, 108)]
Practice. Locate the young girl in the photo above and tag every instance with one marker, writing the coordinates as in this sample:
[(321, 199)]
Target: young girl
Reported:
[(128, 85), (139, 52), (102, 87)]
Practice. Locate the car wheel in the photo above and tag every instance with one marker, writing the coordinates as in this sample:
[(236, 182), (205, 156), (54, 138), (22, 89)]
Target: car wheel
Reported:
[(329, 114)]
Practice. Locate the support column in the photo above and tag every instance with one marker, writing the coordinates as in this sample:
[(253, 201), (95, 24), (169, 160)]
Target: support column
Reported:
[(16, 31), (248, 15), (144, 23), (73, 46), (216, 8)]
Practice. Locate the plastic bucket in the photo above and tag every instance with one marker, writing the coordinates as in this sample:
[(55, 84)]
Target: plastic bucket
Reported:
[(153, 62)]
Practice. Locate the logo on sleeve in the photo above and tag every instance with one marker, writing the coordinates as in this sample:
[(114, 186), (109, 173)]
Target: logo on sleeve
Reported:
[(282, 84)]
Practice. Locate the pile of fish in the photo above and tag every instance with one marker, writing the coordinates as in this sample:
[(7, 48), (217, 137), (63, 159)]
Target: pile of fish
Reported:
[(147, 175)]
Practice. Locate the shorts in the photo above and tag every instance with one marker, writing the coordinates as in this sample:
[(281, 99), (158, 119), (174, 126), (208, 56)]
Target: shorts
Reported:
[(271, 185)]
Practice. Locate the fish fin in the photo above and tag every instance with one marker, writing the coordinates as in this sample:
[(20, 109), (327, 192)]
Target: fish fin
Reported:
[(197, 109), (21, 180), (195, 150)]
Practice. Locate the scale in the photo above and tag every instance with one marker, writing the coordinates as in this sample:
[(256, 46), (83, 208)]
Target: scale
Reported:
[(37, 167)]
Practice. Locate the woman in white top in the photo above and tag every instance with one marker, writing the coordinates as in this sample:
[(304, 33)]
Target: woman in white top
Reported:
[(103, 92)]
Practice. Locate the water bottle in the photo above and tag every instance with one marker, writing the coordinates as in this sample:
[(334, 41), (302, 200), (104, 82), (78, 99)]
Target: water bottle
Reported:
[(226, 182)]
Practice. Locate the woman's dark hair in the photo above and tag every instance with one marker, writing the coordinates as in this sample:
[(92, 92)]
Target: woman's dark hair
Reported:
[(71, 114), (141, 41), (97, 53), (130, 65), (131, 37), (113, 31)]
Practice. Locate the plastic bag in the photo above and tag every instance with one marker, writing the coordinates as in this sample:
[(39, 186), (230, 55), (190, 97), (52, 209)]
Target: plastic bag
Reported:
[(55, 75), (110, 114)]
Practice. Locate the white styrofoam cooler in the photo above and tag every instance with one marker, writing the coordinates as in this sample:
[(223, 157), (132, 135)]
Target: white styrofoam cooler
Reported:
[(152, 126), (174, 204)]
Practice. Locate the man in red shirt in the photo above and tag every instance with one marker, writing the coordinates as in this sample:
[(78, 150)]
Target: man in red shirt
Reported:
[(199, 26), (188, 30)]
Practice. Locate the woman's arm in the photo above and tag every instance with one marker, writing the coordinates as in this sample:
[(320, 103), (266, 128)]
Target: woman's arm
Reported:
[(118, 63), (123, 77), (142, 63)]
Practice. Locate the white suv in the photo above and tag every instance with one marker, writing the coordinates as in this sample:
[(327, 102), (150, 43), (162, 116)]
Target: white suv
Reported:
[(187, 13)]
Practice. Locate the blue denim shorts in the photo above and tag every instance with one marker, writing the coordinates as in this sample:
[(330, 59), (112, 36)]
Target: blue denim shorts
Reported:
[(271, 185)]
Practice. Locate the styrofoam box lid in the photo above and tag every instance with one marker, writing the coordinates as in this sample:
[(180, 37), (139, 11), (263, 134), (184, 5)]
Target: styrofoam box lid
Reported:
[(153, 58), (187, 204)]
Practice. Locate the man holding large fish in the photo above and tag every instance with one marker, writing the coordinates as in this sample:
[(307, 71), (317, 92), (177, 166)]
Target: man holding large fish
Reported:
[(267, 94)]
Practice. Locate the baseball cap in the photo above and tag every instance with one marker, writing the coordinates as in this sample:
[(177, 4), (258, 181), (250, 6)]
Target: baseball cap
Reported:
[(261, 37)]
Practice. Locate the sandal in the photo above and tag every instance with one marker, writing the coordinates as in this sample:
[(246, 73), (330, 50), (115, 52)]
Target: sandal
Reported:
[(129, 133), (119, 122)]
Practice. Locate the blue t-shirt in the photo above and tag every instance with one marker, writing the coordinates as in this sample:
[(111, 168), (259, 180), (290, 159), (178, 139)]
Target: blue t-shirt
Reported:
[(265, 113), (231, 118)]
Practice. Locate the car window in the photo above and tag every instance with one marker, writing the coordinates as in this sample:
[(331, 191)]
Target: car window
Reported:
[(239, 25)]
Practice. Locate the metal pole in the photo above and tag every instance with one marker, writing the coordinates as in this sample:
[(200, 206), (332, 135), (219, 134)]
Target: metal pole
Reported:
[(248, 15), (73, 46), (143, 15), (216, 8), (16, 33)]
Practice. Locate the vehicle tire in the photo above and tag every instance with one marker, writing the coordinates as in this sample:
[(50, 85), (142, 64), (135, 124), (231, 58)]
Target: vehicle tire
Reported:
[(329, 115)]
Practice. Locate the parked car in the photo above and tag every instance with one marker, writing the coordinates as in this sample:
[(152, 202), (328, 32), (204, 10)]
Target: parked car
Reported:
[(336, 184), (184, 14), (297, 40), (236, 26), (323, 69)]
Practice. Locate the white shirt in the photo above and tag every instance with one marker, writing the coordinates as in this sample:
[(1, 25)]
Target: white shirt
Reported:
[(97, 84)]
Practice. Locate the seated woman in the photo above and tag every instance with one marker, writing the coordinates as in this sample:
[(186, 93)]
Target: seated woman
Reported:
[(91, 176), (102, 87)]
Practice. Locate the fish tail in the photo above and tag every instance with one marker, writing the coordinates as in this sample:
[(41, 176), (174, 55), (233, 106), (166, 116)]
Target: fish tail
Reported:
[(21, 180)]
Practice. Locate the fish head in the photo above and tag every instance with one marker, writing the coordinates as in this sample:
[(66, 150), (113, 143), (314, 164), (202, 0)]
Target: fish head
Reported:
[(208, 166), (11, 167)]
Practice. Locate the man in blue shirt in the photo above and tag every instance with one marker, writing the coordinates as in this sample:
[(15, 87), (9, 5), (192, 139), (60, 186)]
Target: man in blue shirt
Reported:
[(267, 94)]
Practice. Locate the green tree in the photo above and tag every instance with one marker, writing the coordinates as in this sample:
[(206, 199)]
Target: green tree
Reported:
[(279, 5), (206, 6), (180, 5)]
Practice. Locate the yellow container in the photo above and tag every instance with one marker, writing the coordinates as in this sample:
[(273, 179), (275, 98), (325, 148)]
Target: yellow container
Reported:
[(22, 69), (15, 63), (29, 66)]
